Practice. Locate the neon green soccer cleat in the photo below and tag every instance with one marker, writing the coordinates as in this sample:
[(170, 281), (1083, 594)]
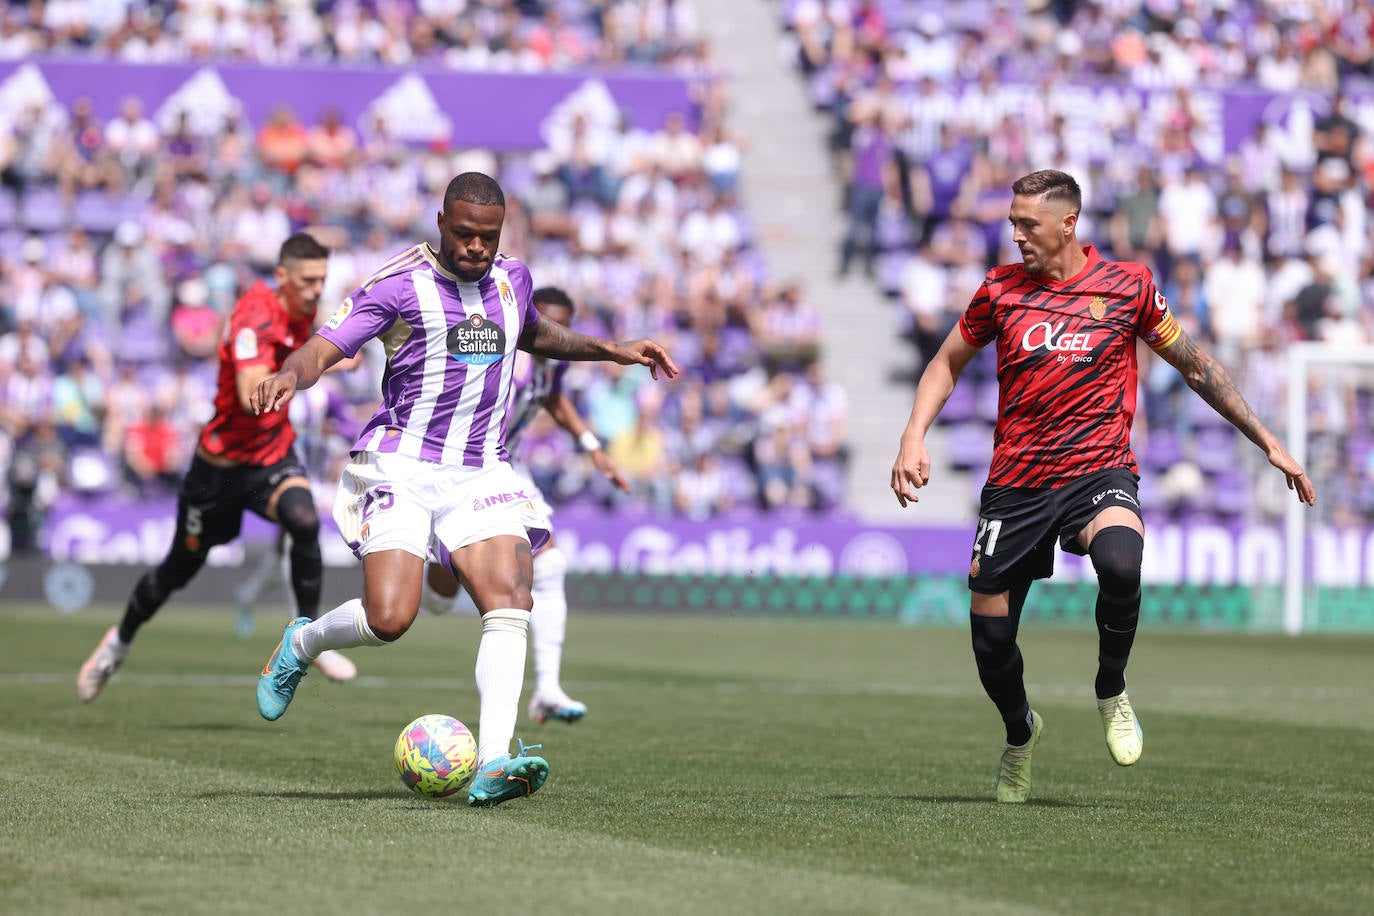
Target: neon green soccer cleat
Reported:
[(1014, 774), (1125, 740), (508, 777), (281, 675)]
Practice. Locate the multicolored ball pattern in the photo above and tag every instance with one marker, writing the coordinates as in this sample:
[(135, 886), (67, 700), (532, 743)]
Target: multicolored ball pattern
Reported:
[(436, 756)]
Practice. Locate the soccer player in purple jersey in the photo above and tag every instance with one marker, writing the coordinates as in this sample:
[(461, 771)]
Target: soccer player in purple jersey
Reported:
[(1065, 323), (539, 386), (431, 466)]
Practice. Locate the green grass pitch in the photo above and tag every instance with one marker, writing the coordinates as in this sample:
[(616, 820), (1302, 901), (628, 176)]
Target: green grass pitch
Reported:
[(726, 766)]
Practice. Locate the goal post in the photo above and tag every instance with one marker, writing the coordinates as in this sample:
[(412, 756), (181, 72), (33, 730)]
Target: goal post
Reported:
[(1316, 368)]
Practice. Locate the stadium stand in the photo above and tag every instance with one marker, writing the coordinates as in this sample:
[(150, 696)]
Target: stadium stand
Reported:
[(1224, 144), (125, 240)]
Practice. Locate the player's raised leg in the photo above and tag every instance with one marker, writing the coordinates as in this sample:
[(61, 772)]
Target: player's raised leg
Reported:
[(391, 582), (548, 627), (293, 507), (1116, 548)]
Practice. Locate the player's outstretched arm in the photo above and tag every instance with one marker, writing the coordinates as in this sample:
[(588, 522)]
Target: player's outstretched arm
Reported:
[(911, 470), (566, 415), (1211, 381), (301, 369), (549, 338)]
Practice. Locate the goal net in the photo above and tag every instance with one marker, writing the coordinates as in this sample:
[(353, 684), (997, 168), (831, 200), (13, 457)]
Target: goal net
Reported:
[(1328, 562)]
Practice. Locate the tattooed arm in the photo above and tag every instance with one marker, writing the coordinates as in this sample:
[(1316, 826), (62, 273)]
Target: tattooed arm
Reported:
[(1210, 380), (551, 339)]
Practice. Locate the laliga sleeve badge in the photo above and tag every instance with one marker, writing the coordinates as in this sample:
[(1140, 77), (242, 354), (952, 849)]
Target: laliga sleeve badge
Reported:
[(339, 315)]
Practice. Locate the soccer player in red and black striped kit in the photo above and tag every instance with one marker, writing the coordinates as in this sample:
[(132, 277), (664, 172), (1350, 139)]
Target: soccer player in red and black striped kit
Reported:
[(244, 461), (1065, 322)]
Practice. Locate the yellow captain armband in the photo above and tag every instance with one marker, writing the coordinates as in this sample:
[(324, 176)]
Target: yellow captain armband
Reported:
[(1163, 335)]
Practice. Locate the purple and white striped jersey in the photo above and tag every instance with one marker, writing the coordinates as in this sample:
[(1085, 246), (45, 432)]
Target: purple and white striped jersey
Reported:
[(535, 379), (450, 348)]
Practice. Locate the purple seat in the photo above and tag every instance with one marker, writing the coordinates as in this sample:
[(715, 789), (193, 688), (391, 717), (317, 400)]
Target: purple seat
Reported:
[(889, 266), (1214, 448), (969, 446), (1162, 451), (9, 209), (43, 211), (985, 401), (1230, 494), (100, 213), (959, 407)]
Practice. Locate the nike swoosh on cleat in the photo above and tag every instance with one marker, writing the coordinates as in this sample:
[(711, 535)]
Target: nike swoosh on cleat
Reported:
[(267, 668)]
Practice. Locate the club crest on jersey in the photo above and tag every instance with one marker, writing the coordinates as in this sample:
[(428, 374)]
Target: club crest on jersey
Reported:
[(340, 314), (1097, 308), (476, 341), (503, 288)]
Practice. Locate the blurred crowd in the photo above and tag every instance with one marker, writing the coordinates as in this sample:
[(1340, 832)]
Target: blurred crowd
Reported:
[(506, 35), (125, 242), (937, 107)]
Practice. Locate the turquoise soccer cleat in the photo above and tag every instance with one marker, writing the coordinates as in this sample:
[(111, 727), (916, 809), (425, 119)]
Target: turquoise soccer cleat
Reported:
[(508, 777), (558, 706), (281, 675)]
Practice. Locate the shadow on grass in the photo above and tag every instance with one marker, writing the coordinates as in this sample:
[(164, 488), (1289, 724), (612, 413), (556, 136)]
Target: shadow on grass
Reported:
[(206, 726), (960, 800), (317, 796)]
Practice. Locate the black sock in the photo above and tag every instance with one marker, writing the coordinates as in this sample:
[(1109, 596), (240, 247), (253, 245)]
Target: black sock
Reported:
[(306, 577), (143, 604), (1116, 554), (296, 511), (1115, 635), (1001, 670)]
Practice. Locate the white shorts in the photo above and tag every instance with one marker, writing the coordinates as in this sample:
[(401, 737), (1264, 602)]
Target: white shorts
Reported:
[(541, 505), (389, 502)]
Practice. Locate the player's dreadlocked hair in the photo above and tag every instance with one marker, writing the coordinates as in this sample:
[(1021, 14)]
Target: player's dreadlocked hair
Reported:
[(1053, 184), (475, 188), (302, 247), (552, 295)]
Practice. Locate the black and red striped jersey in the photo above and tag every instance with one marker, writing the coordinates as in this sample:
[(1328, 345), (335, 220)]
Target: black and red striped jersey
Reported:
[(1066, 365), (260, 332)]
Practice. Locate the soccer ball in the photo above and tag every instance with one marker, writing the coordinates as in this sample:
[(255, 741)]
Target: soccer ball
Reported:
[(436, 756)]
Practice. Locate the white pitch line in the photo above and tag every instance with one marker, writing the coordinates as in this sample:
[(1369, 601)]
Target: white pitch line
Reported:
[(798, 688)]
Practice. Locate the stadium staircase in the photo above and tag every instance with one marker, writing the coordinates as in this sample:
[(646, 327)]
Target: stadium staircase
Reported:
[(793, 196)]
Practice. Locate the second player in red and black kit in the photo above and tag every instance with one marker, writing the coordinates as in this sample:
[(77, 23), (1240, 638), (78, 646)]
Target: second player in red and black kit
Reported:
[(243, 461), (1065, 324)]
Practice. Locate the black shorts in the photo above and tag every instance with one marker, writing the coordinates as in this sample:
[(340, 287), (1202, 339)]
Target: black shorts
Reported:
[(212, 500), (1017, 526)]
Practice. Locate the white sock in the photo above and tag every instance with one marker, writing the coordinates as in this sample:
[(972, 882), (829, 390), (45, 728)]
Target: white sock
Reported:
[(549, 619), (500, 672), (342, 628)]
